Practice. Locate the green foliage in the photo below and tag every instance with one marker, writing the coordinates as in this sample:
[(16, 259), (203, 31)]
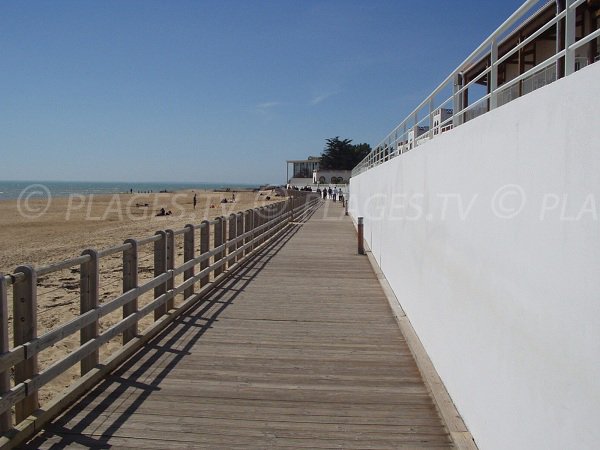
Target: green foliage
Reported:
[(342, 154)]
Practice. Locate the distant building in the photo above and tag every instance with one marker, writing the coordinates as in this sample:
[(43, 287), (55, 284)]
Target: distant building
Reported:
[(308, 171)]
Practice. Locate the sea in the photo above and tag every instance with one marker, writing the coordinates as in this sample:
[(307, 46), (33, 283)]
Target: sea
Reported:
[(15, 189)]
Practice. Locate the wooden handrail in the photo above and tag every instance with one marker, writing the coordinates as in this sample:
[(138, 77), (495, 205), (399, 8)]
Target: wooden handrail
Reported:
[(248, 232)]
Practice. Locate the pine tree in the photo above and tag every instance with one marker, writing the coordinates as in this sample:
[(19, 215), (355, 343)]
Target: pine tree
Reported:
[(342, 155)]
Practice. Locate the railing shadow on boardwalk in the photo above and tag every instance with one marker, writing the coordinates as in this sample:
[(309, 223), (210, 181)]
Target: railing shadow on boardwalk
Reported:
[(202, 317)]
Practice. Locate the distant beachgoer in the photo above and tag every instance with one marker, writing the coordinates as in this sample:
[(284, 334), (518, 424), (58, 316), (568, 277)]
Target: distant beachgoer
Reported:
[(161, 212), (195, 201)]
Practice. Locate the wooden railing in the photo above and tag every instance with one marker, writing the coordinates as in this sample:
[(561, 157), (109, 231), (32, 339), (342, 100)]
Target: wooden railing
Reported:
[(235, 238)]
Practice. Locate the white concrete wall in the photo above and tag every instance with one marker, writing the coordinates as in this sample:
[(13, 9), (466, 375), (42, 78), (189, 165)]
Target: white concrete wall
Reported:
[(490, 237)]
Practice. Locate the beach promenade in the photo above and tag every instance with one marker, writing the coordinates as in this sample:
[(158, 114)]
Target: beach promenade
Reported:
[(299, 348)]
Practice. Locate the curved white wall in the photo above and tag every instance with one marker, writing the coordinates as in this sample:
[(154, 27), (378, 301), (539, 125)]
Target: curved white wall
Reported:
[(508, 308)]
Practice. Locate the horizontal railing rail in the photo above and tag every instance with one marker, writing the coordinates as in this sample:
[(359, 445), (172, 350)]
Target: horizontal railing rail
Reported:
[(433, 117), (235, 238)]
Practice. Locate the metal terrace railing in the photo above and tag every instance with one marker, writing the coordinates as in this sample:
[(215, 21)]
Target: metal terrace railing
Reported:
[(201, 269), (484, 81)]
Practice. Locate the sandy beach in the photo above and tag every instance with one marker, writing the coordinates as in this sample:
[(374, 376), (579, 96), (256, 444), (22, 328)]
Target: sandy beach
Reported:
[(72, 224), (38, 233)]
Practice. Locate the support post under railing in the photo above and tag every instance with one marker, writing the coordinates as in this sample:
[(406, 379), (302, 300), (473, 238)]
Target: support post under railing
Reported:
[(267, 214), (160, 267), (239, 231), (89, 299), (170, 258), (204, 248), (494, 75), (259, 219), (248, 227), (361, 237), (130, 281), (457, 100), (275, 212), (188, 254), (232, 228), (218, 241), (570, 37), (25, 330), (5, 418)]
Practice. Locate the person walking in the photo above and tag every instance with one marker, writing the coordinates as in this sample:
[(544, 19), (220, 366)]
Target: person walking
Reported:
[(195, 201), (330, 192)]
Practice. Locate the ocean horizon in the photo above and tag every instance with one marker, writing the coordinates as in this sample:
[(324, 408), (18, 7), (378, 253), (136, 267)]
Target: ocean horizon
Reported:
[(13, 189)]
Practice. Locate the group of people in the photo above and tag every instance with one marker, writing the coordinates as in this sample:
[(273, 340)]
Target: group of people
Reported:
[(163, 212), (333, 194)]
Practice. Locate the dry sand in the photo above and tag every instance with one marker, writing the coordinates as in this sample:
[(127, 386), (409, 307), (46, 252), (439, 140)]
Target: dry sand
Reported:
[(70, 225)]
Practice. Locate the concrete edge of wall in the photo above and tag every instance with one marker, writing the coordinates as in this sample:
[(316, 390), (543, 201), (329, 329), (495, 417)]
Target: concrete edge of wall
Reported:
[(461, 436)]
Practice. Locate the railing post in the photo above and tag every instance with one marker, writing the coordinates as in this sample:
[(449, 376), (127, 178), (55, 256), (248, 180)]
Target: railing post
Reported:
[(218, 241), (89, 299), (160, 267), (431, 105), (5, 418), (170, 258), (258, 221), (570, 26), (248, 226), (266, 218), (25, 330), (265, 221), (457, 101), (493, 75), (188, 254), (130, 281), (232, 228), (240, 230), (290, 208), (204, 248), (272, 216), (361, 237)]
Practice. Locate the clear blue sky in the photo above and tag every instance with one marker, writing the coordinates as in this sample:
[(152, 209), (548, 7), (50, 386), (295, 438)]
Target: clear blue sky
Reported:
[(217, 91)]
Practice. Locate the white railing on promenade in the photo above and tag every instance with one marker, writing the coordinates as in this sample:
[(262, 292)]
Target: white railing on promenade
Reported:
[(445, 108), (203, 267)]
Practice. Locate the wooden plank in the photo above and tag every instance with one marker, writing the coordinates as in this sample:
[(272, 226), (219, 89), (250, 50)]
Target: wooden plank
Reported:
[(89, 300), (297, 349), (130, 281), (25, 330), (5, 418), (188, 254), (204, 248), (219, 237), (160, 267)]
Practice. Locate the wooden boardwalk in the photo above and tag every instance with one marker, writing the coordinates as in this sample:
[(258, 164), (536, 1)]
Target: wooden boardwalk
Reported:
[(298, 349)]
